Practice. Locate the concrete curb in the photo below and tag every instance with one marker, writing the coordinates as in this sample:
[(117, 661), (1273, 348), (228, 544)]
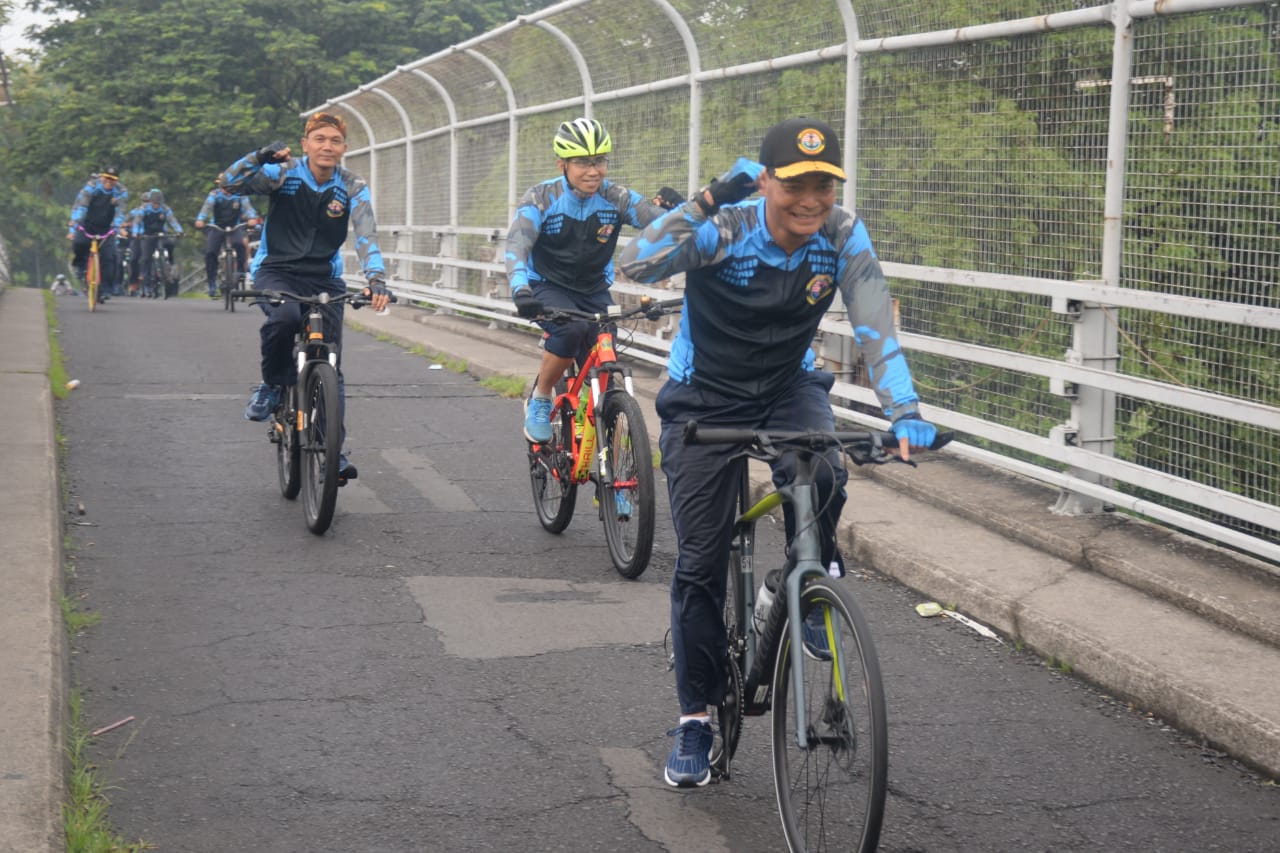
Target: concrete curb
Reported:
[(33, 668)]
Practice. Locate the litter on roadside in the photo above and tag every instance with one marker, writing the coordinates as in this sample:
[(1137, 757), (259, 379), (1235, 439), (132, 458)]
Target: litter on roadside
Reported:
[(933, 608), (115, 725)]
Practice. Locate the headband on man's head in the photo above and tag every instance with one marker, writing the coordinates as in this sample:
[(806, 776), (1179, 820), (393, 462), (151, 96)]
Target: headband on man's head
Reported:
[(318, 119)]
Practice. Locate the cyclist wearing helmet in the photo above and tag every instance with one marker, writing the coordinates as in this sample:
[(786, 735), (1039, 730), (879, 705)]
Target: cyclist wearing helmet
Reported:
[(135, 245), (100, 206), (560, 250), (226, 211), (155, 223)]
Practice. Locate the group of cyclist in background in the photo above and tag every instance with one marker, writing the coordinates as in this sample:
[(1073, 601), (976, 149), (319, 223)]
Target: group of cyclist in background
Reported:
[(129, 237)]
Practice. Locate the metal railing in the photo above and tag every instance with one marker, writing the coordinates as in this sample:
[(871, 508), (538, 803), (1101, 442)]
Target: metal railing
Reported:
[(1075, 208)]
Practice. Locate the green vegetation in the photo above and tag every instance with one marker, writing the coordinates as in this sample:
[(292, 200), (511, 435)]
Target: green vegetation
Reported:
[(84, 815), (508, 386), (178, 117), (57, 370)]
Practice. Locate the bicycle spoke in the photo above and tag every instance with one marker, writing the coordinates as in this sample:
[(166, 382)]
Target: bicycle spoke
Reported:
[(831, 791)]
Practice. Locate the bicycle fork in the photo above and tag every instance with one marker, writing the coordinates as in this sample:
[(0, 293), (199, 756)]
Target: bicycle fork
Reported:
[(786, 606)]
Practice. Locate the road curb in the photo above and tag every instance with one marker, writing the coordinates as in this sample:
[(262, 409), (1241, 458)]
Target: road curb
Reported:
[(33, 668)]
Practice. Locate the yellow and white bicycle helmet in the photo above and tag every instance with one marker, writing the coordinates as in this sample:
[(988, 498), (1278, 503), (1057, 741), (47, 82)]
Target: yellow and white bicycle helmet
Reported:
[(582, 137)]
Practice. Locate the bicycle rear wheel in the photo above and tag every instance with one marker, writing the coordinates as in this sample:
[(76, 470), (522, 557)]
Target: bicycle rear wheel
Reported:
[(288, 452), (321, 444), (831, 794), (92, 275), (626, 497), (551, 473)]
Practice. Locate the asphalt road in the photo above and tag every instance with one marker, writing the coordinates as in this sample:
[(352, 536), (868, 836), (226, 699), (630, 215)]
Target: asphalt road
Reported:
[(438, 674)]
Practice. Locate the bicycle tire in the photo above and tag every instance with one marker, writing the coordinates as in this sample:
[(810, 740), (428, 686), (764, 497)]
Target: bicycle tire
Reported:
[(92, 275), (831, 795), (729, 713), (321, 444), (228, 274), (551, 473), (288, 450), (625, 440)]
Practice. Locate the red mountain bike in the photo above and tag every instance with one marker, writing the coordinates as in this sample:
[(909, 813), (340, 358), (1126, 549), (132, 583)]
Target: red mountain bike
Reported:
[(598, 435)]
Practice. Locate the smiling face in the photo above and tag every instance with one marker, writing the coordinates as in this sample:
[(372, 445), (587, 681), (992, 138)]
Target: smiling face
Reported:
[(795, 208), (585, 174), (324, 147)]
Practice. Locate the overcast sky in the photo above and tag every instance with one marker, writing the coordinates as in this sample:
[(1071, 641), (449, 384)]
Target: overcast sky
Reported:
[(11, 38)]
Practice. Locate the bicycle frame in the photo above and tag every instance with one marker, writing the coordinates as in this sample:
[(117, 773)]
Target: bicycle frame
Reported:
[(601, 364), (804, 561), (93, 264)]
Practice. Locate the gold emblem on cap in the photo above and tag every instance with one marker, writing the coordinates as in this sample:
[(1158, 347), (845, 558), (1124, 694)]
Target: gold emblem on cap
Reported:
[(810, 141)]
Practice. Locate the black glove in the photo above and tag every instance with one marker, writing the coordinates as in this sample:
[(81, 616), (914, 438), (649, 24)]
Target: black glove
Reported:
[(268, 154), (731, 187), (378, 286), (668, 198), (527, 305)]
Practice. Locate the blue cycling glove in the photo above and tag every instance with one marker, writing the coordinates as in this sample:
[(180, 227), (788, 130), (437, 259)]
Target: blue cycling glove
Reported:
[(917, 431)]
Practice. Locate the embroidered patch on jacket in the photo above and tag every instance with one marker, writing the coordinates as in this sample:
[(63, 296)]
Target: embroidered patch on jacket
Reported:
[(604, 233), (335, 209), (818, 289)]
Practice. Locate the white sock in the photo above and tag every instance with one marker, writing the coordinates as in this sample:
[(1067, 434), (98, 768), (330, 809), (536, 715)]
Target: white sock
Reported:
[(701, 718)]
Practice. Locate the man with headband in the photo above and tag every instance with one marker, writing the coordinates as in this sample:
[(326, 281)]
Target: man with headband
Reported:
[(311, 201)]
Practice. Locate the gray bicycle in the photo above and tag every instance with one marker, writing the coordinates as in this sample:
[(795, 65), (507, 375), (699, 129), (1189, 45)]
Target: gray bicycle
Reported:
[(809, 657)]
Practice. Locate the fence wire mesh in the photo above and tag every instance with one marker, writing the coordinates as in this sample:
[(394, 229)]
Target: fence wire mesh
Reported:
[(1048, 198)]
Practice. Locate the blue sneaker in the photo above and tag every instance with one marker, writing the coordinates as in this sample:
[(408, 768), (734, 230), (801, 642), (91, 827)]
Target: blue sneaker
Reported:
[(689, 764), (622, 504), (813, 631), (537, 419), (346, 471), (263, 402)]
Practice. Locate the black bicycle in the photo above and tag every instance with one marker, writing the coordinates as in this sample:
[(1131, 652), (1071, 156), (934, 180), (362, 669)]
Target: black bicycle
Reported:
[(228, 265), (306, 426), (808, 656)]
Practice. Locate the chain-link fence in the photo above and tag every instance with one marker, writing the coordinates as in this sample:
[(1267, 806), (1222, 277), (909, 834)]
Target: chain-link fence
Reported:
[(1077, 206)]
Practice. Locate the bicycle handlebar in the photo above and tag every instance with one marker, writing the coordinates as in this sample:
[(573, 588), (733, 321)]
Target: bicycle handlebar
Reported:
[(235, 227), (80, 228), (279, 297), (651, 308), (862, 446)]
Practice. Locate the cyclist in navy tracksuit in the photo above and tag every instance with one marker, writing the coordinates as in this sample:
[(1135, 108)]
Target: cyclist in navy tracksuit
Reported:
[(560, 251), (311, 202), (101, 206), (226, 211), (155, 225), (759, 277)]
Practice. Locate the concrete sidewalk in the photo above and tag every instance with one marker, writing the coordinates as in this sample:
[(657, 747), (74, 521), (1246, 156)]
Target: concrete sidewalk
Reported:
[(1184, 630), (33, 667)]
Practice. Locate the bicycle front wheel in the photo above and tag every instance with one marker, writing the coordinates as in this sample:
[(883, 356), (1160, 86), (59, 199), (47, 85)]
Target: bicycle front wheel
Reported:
[(551, 473), (92, 275), (626, 494), (288, 451), (321, 444), (831, 792), (228, 276)]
